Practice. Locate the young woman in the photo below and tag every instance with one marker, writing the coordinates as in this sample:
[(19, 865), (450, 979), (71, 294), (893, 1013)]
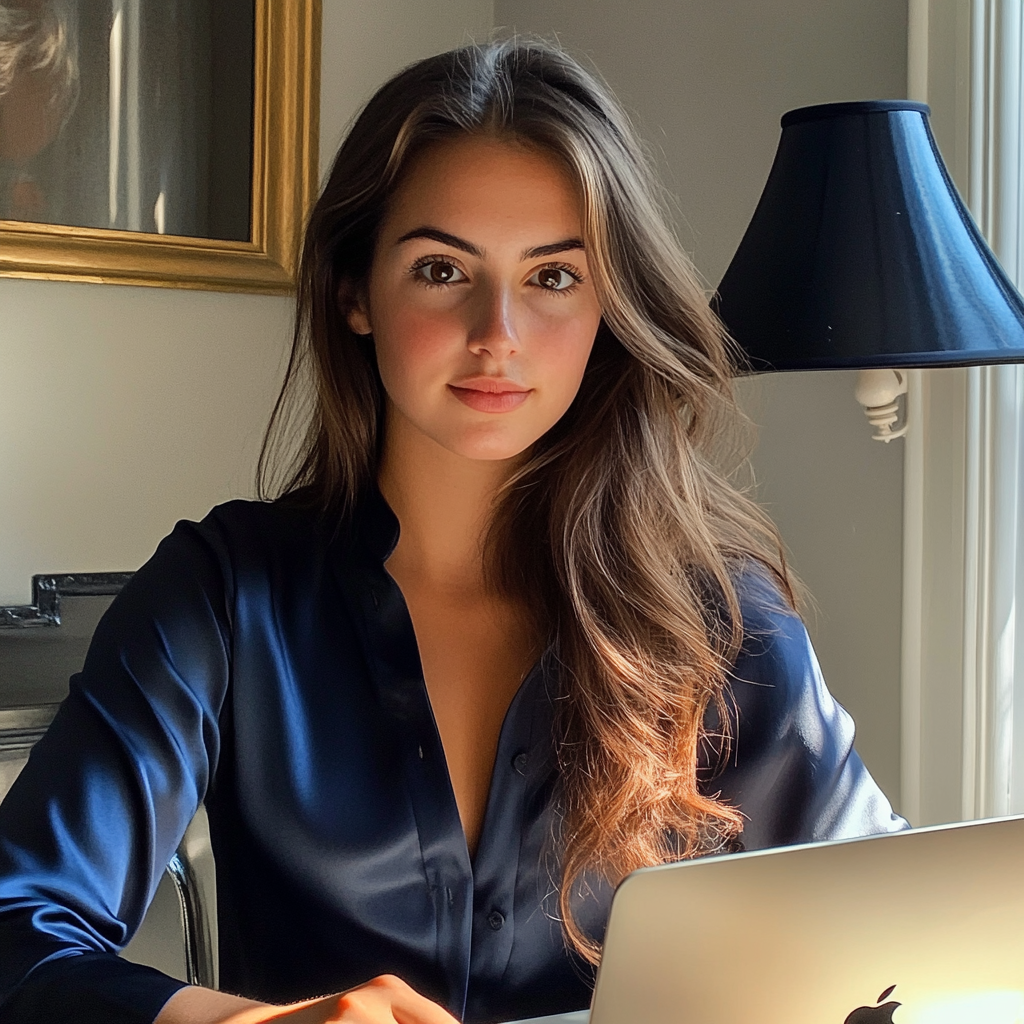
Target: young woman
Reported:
[(505, 633)]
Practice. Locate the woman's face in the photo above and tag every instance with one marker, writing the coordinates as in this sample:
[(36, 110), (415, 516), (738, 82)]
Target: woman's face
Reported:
[(479, 298)]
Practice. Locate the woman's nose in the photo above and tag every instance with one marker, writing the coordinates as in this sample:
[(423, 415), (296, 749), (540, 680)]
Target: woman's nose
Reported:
[(493, 328)]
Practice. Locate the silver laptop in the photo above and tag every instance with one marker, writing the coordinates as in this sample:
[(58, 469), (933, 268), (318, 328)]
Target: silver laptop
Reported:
[(918, 927)]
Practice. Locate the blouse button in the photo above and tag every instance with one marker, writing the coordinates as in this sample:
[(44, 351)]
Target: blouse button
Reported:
[(519, 762), (496, 919)]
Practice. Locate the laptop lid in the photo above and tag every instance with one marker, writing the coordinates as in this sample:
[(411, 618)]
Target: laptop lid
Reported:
[(918, 927)]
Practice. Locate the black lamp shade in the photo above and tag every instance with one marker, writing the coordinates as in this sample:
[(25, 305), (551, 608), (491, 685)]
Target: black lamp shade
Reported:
[(862, 254)]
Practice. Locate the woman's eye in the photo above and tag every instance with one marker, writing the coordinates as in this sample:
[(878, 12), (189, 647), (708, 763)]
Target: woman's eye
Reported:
[(440, 272), (553, 279)]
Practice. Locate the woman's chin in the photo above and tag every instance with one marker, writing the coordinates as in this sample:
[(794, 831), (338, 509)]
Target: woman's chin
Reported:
[(485, 454), (487, 448)]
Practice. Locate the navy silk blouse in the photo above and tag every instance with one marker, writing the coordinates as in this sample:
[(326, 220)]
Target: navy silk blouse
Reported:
[(269, 668)]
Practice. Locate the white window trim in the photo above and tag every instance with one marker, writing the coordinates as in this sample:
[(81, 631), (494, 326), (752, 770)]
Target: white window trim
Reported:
[(962, 461)]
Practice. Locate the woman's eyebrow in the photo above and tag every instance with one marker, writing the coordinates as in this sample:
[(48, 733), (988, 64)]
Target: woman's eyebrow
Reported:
[(436, 235), (445, 238), (553, 248)]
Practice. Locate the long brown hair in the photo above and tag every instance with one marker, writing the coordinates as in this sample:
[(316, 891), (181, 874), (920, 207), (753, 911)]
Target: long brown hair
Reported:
[(621, 533)]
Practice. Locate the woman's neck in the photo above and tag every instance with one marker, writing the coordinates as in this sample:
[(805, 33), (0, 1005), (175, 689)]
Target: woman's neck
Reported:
[(443, 502)]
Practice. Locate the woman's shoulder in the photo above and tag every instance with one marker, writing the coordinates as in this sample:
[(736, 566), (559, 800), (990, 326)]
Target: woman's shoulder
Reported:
[(243, 529), (765, 607), (280, 519), (237, 546), (776, 650), (792, 768)]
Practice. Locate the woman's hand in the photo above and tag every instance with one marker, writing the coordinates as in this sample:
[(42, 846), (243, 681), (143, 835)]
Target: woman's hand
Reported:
[(381, 1000)]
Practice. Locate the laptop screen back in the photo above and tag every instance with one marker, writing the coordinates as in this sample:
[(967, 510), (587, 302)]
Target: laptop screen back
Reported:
[(919, 927)]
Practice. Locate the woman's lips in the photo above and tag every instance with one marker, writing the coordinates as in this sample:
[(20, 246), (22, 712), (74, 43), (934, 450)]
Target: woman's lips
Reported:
[(489, 401)]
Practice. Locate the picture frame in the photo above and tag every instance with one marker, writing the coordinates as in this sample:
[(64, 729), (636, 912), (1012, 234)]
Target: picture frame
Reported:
[(285, 130)]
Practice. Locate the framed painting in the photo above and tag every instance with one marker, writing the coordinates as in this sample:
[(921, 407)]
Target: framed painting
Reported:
[(158, 142)]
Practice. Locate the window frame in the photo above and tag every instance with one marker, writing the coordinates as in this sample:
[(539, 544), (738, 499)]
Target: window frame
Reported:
[(960, 753)]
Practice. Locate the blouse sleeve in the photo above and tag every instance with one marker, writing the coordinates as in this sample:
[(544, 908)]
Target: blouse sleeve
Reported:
[(792, 770), (92, 820)]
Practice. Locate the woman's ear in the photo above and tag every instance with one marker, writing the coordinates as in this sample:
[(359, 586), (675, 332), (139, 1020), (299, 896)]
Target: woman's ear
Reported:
[(353, 306)]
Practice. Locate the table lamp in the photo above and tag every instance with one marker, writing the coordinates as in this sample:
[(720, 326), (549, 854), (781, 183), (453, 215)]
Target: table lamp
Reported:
[(861, 254)]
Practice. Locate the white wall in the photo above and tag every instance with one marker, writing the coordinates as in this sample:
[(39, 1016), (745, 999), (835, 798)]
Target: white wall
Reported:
[(366, 42), (707, 81), (124, 409)]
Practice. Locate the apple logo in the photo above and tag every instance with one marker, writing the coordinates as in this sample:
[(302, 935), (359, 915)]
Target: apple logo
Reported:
[(880, 1014)]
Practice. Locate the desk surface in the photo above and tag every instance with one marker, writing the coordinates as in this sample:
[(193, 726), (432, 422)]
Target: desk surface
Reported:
[(576, 1017)]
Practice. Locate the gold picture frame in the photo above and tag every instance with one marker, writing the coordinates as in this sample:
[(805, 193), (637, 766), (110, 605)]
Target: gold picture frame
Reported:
[(286, 106)]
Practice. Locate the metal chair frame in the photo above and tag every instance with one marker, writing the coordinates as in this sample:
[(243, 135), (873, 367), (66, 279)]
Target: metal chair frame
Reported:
[(20, 727)]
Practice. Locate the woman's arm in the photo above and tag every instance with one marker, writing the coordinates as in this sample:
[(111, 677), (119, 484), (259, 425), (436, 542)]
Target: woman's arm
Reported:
[(193, 1005), (382, 1000), (90, 823)]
